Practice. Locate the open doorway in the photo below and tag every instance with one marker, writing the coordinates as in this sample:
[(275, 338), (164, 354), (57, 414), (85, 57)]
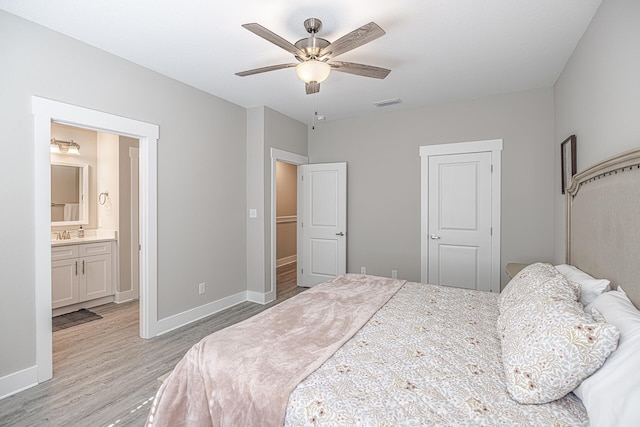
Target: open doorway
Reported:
[(94, 246), (286, 227), (45, 113), (104, 210), (294, 160)]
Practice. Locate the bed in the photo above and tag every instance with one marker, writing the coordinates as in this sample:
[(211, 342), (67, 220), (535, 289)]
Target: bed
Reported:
[(557, 347)]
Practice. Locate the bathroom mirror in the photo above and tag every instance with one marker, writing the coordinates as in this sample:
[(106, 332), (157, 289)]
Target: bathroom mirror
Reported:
[(69, 194)]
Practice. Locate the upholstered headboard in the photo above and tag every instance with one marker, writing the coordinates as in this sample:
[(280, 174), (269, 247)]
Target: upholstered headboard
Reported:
[(603, 222)]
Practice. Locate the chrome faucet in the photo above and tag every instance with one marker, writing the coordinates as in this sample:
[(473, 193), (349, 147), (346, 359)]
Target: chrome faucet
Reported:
[(63, 235)]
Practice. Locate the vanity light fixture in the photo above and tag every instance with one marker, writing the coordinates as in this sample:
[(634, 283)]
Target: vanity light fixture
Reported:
[(64, 147)]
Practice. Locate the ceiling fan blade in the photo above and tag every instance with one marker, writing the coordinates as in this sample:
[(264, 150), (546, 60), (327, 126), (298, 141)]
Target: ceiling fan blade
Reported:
[(312, 87), (272, 37), (360, 69), (264, 69), (354, 39)]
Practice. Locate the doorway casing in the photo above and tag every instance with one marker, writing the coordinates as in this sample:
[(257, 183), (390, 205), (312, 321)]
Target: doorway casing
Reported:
[(45, 112), (295, 159)]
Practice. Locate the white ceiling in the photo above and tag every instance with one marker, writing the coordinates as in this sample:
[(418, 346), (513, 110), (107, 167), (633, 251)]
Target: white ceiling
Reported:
[(438, 50)]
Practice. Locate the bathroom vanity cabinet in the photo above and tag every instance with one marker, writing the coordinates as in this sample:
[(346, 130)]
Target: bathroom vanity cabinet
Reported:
[(81, 273)]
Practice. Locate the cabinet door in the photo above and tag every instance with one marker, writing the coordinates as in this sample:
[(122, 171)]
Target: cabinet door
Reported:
[(64, 282), (96, 277)]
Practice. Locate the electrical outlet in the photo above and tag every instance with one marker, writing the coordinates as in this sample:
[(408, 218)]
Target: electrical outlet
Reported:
[(394, 274), (202, 288), (363, 270)]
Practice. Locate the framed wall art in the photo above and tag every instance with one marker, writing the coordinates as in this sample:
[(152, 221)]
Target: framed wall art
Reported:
[(568, 161)]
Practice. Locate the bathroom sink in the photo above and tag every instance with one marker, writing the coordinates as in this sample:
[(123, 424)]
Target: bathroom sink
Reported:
[(89, 237)]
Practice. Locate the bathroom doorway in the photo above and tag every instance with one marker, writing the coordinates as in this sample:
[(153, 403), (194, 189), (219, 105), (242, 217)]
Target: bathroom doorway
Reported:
[(104, 239), (45, 112)]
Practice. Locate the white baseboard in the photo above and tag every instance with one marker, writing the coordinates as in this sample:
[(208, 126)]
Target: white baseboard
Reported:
[(286, 260), (124, 296), (18, 381), (257, 297), (186, 317), (260, 298)]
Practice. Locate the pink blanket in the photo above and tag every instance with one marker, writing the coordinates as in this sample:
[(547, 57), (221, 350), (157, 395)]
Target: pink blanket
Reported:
[(243, 375)]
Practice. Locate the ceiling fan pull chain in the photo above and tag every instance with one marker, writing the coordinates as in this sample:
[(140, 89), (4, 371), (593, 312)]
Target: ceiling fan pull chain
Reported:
[(313, 118)]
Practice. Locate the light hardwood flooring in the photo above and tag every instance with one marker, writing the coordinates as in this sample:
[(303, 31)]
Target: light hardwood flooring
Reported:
[(106, 375), (286, 278)]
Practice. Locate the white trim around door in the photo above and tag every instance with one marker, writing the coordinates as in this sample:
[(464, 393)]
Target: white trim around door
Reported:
[(45, 112), (295, 159), (494, 146)]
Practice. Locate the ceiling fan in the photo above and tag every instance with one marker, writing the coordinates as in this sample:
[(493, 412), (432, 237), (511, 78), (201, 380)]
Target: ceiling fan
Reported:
[(315, 55)]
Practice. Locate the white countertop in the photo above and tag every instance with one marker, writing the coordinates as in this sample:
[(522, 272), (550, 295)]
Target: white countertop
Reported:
[(90, 236)]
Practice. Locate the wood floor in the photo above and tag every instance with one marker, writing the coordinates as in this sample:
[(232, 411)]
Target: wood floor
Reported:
[(286, 278), (106, 375)]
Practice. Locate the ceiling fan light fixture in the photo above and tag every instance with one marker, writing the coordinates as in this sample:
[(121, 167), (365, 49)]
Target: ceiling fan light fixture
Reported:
[(313, 71)]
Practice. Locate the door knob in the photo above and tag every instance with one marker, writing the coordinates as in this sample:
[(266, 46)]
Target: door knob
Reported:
[(434, 237), (340, 234)]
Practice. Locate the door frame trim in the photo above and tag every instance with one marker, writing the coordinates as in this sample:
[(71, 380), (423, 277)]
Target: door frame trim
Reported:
[(45, 112), (295, 159), (494, 146)]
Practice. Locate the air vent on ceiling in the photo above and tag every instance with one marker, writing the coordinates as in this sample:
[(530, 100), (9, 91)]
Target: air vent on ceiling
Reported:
[(387, 102)]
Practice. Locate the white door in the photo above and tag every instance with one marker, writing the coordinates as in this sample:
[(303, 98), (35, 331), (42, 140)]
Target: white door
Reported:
[(459, 222), (324, 221)]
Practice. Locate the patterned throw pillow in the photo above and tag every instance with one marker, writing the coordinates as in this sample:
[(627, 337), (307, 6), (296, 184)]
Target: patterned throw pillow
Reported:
[(537, 279), (549, 344), (536, 282)]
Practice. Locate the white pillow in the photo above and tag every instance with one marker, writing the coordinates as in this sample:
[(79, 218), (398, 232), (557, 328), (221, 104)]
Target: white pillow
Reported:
[(590, 287), (608, 393)]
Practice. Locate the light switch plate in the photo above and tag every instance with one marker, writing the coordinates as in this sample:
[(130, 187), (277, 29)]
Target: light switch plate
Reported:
[(253, 213)]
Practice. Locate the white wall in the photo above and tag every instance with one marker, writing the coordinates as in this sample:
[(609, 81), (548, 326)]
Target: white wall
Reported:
[(383, 190), (108, 181), (597, 96), (201, 173)]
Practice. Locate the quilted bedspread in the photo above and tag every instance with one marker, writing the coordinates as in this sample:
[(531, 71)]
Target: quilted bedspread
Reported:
[(243, 375), (431, 356)]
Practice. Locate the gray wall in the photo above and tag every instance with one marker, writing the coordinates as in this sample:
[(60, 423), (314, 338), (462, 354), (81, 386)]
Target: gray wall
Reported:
[(266, 129), (597, 96), (201, 173), (382, 152)]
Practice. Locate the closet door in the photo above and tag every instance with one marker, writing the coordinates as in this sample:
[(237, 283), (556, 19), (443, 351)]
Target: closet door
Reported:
[(459, 231), (324, 221)]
